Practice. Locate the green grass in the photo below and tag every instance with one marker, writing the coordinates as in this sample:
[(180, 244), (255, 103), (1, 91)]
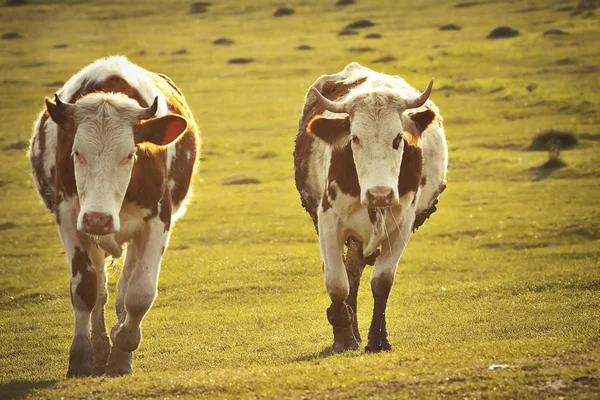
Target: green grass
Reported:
[(506, 272)]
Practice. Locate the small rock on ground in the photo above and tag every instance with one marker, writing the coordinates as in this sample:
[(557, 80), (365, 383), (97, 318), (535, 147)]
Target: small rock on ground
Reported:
[(450, 27)]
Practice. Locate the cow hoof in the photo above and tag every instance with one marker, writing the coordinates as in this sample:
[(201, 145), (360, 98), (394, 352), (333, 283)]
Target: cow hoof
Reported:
[(384, 345), (119, 363), (80, 358), (125, 339), (344, 340), (80, 371), (101, 348)]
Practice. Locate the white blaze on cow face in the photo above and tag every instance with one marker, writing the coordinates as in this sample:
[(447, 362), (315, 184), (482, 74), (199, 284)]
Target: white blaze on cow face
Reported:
[(377, 147), (374, 124), (103, 157)]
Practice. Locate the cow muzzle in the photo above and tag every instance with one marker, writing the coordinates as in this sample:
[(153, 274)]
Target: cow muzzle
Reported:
[(379, 196), (97, 223)]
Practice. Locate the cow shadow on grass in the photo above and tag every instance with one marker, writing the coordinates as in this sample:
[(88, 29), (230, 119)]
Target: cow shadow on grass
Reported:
[(326, 352), (18, 389)]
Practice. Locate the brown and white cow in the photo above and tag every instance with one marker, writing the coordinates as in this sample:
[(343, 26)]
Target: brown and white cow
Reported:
[(113, 157), (370, 162)]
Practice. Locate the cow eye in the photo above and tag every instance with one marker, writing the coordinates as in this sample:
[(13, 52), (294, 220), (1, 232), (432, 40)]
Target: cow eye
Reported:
[(396, 142), (130, 156), (354, 139), (75, 153)]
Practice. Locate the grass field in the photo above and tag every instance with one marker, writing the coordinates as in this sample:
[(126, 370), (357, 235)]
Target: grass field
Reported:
[(506, 272)]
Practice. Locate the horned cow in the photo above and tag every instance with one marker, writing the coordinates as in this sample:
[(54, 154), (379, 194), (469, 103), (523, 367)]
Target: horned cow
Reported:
[(370, 162), (113, 157)]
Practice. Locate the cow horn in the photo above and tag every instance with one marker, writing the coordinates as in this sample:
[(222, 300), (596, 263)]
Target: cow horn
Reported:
[(333, 106), (149, 111), (419, 101), (66, 108)]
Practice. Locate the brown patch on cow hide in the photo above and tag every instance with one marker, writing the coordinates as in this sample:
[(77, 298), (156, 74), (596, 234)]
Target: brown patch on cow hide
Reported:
[(46, 183), (166, 209), (182, 167), (325, 204), (411, 169), (332, 191), (425, 214), (304, 141), (343, 171), (116, 84), (148, 178), (87, 287), (187, 147)]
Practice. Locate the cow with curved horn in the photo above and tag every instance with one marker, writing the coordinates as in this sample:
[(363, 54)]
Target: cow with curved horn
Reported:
[(113, 158), (370, 162)]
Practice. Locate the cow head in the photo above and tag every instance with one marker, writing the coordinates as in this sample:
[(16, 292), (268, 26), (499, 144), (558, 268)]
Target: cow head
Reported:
[(108, 127), (378, 126)]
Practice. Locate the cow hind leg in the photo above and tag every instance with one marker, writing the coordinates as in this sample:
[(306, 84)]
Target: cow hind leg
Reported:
[(355, 265), (378, 339)]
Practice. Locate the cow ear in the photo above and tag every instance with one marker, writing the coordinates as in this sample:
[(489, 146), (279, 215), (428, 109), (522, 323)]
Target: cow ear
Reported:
[(160, 131), (415, 123), (329, 130)]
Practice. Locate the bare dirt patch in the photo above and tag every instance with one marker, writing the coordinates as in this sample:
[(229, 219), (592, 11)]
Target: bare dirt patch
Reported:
[(361, 23), (386, 59), (223, 41), (554, 32), (503, 32), (360, 49), (241, 60), (283, 12), (450, 27), (199, 7), (240, 181), (11, 36)]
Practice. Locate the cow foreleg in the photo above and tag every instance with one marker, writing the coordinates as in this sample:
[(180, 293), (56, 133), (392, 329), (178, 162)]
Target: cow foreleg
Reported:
[(382, 280), (140, 292), (83, 288), (119, 362), (100, 341), (339, 314)]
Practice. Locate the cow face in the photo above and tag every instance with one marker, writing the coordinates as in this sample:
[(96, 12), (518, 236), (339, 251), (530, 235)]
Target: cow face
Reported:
[(108, 128), (378, 127)]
